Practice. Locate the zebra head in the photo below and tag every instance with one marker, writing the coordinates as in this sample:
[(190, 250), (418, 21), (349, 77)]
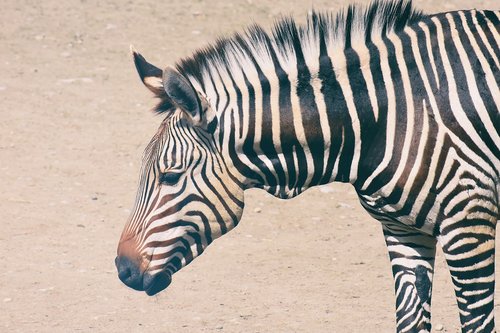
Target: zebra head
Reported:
[(187, 195)]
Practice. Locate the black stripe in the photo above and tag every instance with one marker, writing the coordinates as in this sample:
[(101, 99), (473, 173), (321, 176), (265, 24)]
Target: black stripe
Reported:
[(371, 159), (362, 103), (335, 106)]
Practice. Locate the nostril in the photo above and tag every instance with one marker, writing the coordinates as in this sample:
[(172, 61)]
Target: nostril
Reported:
[(129, 273), (124, 273)]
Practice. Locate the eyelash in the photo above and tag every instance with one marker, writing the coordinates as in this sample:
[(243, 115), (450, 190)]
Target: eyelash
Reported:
[(170, 178)]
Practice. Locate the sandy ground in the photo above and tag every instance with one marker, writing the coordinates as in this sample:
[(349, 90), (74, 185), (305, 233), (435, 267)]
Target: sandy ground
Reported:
[(74, 121)]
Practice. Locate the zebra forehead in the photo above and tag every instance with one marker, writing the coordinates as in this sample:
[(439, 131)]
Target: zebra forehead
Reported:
[(356, 24), (172, 132)]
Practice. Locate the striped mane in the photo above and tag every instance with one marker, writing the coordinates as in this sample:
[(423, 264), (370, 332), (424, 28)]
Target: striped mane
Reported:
[(287, 40)]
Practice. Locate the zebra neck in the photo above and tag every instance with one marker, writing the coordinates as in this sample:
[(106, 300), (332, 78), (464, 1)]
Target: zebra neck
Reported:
[(287, 129)]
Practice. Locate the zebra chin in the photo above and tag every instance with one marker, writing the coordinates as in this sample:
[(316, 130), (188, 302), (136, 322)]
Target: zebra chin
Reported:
[(153, 284), (130, 273)]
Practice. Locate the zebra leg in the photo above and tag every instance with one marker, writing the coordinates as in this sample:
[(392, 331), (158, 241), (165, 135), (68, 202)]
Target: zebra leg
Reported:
[(412, 256), (469, 249)]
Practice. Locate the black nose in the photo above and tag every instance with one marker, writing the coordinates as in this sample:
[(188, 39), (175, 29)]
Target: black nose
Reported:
[(129, 273)]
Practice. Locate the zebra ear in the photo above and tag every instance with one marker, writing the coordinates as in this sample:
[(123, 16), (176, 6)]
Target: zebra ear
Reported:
[(182, 93), (150, 75)]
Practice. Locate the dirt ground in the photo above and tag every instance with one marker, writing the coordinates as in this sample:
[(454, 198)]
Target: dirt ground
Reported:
[(74, 121)]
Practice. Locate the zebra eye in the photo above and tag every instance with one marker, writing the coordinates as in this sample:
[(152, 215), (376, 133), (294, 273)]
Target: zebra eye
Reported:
[(170, 178)]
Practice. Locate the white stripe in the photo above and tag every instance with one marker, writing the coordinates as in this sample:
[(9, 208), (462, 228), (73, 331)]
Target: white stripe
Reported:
[(365, 60), (430, 54), (341, 149)]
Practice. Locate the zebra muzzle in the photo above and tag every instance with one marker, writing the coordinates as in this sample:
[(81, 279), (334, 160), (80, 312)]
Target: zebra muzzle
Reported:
[(130, 273)]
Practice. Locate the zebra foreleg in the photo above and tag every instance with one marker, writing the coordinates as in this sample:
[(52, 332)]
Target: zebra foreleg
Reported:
[(412, 257), (469, 249)]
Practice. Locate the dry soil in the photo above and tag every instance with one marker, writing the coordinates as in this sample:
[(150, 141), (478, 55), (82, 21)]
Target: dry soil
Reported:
[(74, 121)]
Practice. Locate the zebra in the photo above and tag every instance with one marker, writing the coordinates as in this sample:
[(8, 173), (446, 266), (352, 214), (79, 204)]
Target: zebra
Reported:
[(402, 105)]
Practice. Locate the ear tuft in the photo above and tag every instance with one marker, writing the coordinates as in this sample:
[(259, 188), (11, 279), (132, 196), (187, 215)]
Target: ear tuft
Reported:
[(150, 75), (182, 93)]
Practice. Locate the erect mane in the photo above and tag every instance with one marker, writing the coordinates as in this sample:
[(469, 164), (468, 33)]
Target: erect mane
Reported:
[(356, 24)]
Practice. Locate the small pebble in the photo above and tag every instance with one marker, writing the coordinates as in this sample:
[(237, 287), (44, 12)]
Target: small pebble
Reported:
[(76, 79), (439, 327), (7, 300), (343, 205), (257, 210)]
